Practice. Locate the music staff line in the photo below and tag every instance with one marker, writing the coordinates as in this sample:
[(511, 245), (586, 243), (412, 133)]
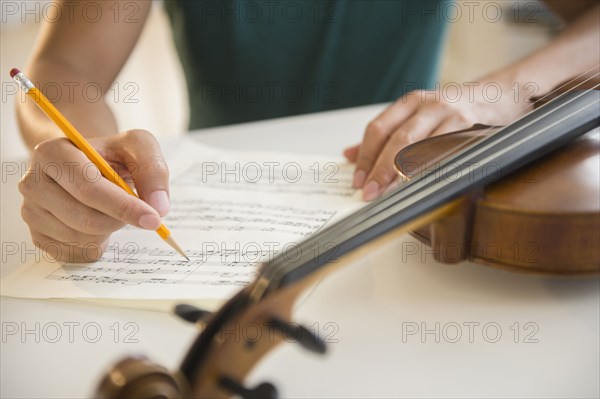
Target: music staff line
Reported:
[(207, 266)]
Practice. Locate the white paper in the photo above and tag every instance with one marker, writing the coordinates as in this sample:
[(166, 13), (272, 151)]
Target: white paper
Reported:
[(229, 211)]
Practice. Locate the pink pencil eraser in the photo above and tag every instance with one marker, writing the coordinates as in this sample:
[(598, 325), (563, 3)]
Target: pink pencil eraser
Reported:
[(13, 72)]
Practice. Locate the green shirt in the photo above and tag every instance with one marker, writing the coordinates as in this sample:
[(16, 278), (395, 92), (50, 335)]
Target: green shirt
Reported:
[(248, 60)]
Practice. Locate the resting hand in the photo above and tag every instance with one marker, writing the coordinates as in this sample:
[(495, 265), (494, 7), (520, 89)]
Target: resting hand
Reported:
[(71, 210), (411, 118)]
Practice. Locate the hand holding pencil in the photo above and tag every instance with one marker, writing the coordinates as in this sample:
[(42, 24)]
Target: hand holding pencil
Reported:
[(71, 210)]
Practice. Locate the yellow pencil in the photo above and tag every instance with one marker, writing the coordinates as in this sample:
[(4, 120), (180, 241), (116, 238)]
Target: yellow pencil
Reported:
[(80, 142)]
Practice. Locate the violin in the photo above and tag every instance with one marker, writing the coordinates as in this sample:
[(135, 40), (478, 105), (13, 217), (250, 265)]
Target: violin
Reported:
[(545, 218), (473, 194)]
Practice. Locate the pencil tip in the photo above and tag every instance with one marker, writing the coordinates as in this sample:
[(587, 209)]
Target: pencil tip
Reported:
[(173, 244), (14, 72)]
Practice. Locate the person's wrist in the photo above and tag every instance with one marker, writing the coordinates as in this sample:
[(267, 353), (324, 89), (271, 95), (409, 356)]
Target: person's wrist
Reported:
[(503, 99)]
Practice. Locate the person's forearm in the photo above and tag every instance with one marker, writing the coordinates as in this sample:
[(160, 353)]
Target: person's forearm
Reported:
[(573, 52), (91, 116), (80, 58)]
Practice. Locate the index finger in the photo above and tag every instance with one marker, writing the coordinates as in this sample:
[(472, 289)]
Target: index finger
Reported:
[(82, 179), (378, 133)]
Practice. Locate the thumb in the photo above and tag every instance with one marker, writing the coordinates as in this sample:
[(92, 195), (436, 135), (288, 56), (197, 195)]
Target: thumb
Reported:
[(141, 154)]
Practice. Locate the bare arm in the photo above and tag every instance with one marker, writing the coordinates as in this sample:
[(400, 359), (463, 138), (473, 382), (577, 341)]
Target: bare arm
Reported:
[(71, 212), (417, 116), (574, 51), (76, 50)]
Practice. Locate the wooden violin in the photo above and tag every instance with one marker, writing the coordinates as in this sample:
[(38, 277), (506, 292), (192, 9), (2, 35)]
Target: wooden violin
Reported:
[(545, 218), (465, 192)]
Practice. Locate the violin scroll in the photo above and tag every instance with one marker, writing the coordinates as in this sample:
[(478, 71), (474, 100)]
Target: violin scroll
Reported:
[(137, 377)]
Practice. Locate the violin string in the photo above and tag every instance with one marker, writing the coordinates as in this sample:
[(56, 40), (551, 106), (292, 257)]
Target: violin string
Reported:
[(498, 140), (524, 140), (510, 118), (471, 140), (382, 207), (557, 89), (568, 82), (486, 154), (189, 368), (494, 140)]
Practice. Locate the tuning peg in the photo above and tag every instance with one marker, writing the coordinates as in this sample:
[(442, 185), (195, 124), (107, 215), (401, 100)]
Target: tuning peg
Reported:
[(191, 313), (265, 390), (297, 332)]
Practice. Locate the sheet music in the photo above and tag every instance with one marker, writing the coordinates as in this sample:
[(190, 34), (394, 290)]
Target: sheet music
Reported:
[(229, 211), (325, 178)]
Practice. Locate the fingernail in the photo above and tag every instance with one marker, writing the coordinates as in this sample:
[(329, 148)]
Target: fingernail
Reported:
[(371, 191), (349, 148), (391, 187), (359, 178), (149, 221), (159, 200)]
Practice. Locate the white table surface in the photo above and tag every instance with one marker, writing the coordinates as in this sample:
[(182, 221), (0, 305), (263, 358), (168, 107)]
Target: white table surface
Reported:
[(373, 305)]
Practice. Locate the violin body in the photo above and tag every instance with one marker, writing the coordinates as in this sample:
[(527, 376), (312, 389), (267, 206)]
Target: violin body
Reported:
[(544, 218)]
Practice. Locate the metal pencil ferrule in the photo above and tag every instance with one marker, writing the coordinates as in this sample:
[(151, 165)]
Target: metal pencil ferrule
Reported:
[(23, 82)]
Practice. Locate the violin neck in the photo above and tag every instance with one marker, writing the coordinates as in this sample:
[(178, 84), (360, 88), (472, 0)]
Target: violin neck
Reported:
[(534, 135)]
